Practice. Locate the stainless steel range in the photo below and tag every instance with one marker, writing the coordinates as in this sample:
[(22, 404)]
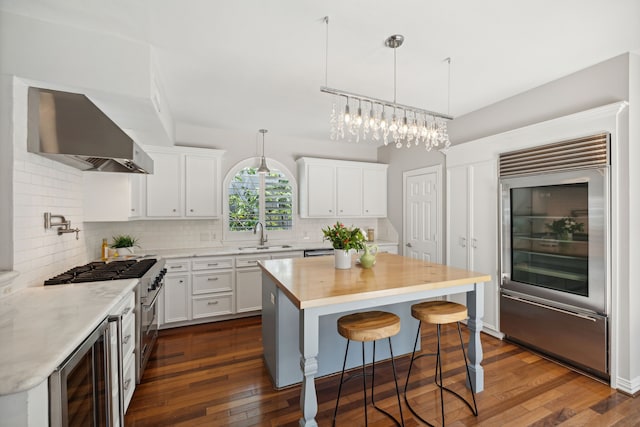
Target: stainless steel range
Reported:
[(150, 272)]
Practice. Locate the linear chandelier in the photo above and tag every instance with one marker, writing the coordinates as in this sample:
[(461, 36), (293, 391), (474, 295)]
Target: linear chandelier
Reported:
[(359, 117)]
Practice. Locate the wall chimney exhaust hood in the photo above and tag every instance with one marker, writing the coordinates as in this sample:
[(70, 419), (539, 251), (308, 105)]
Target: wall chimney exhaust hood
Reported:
[(69, 128)]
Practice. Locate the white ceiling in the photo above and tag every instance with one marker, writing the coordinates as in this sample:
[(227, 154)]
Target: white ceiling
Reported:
[(250, 64)]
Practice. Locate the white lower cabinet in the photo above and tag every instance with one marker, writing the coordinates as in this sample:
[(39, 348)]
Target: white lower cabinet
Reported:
[(212, 286), (249, 282), (126, 311), (177, 291), (198, 289)]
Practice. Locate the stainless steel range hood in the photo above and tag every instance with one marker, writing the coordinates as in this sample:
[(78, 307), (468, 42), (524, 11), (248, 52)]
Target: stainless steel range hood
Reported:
[(69, 128)]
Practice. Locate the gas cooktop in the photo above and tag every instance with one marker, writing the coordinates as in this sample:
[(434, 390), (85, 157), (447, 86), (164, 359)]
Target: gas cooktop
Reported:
[(100, 271)]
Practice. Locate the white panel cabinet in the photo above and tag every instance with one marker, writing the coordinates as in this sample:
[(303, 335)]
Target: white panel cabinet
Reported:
[(185, 183), (374, 192), (249, 282), (349, 191), (177, 291), (201, 185), (472, 228), (337, 188), (164, 186), (109, 196), (321, 183)]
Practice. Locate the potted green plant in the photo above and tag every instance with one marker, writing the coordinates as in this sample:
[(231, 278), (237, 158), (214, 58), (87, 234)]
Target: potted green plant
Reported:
[(124, 243), (343, 239), (565, 227)]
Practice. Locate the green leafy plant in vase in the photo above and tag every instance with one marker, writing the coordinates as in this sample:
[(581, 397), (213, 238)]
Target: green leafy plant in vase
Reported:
[(124, 244), (344, 239)]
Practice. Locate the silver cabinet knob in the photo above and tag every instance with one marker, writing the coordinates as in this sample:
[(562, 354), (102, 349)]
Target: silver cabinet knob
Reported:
[(409, 245)]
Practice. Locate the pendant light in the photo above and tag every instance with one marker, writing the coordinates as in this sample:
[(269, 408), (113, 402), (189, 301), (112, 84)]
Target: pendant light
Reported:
[(263, 168)]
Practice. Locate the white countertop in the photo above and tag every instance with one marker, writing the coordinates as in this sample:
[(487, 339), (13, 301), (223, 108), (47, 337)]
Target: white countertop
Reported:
[(40, 327), (245, 249)]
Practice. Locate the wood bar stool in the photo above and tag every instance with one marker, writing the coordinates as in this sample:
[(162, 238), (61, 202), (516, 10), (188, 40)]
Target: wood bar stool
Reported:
[(439, 313), (363, 327)]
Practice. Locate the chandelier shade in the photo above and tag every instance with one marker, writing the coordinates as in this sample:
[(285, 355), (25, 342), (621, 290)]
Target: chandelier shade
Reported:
[(356, 117)]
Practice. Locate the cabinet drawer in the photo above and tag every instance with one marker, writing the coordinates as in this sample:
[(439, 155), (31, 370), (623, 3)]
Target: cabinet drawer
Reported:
[(128, 336), (176, 266), (205, 306), (250, 260), (211, 263), (219, 281), (129, 380)]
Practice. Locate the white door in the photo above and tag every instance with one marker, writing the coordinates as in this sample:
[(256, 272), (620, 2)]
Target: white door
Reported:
[(422, 229)]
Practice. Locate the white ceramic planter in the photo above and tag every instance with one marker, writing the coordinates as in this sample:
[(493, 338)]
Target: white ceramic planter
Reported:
[(342, 259)]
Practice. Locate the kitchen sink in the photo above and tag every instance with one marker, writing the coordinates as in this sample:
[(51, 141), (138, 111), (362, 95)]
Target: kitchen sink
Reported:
[(260, 248)]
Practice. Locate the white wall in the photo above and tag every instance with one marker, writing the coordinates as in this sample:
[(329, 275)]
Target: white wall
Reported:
[(41, 185), (600, 84)]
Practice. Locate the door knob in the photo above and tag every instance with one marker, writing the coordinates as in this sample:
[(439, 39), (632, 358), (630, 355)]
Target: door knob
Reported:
[(409, 245)]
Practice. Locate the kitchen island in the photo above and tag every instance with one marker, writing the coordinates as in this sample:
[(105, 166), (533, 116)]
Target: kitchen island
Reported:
[(302, 297)]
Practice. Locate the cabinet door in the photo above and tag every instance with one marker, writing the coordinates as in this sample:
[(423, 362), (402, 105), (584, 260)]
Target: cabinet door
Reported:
[(136, 183), (105, 196), (349, 191), (484, 234), (201, 194), (321, 190), (374, 191), (176, 298), (248, 289), (458, 217), (164, 186)]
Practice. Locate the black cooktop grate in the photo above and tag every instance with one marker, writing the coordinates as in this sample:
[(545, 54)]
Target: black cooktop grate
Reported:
[(100, 271)]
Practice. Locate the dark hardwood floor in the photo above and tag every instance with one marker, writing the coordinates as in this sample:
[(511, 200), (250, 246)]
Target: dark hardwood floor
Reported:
[(214, 375)]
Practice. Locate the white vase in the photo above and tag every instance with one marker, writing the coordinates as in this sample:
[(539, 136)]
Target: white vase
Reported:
[(126, 251), (342, 259)]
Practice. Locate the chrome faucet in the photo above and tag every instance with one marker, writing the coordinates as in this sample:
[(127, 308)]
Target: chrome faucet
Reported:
[(263, 238)]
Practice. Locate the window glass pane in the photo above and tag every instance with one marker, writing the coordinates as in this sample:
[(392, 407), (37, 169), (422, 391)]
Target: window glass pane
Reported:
[(278, 201), (244, 191)]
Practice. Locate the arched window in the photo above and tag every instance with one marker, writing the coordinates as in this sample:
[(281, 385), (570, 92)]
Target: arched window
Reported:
[(252, 197)]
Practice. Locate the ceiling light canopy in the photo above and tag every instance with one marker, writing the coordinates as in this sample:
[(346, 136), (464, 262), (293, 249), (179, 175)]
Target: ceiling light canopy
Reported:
[(360, 117)]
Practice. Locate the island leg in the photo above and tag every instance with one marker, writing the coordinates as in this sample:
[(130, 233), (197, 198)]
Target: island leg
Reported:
[(309, 333), (475, 306)]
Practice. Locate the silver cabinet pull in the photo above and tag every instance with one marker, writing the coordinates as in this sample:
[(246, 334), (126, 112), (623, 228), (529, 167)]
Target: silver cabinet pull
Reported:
[(213, 302), (463, 242), (175, 266), (213, 264), (212, 279), (127, 383), (126, 311), (126, 339), (409, 245), (190, 210)]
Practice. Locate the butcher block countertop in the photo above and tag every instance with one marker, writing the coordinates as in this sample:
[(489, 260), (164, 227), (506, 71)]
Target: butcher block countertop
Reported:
[(41, 326), (314, 281)]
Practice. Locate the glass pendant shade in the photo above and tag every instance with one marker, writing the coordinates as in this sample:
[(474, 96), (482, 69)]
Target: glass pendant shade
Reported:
[(263, 168)]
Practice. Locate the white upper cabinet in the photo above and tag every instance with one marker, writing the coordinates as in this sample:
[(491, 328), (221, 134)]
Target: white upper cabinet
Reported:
[(320, 182), (185, 183), (109, 196), (164, 186), (201, 184), (341, 189), (374, 192), (349, 191)]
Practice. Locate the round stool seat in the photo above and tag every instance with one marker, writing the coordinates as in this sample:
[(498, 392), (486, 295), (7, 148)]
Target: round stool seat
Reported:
[(439, 312), (368, 325)]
